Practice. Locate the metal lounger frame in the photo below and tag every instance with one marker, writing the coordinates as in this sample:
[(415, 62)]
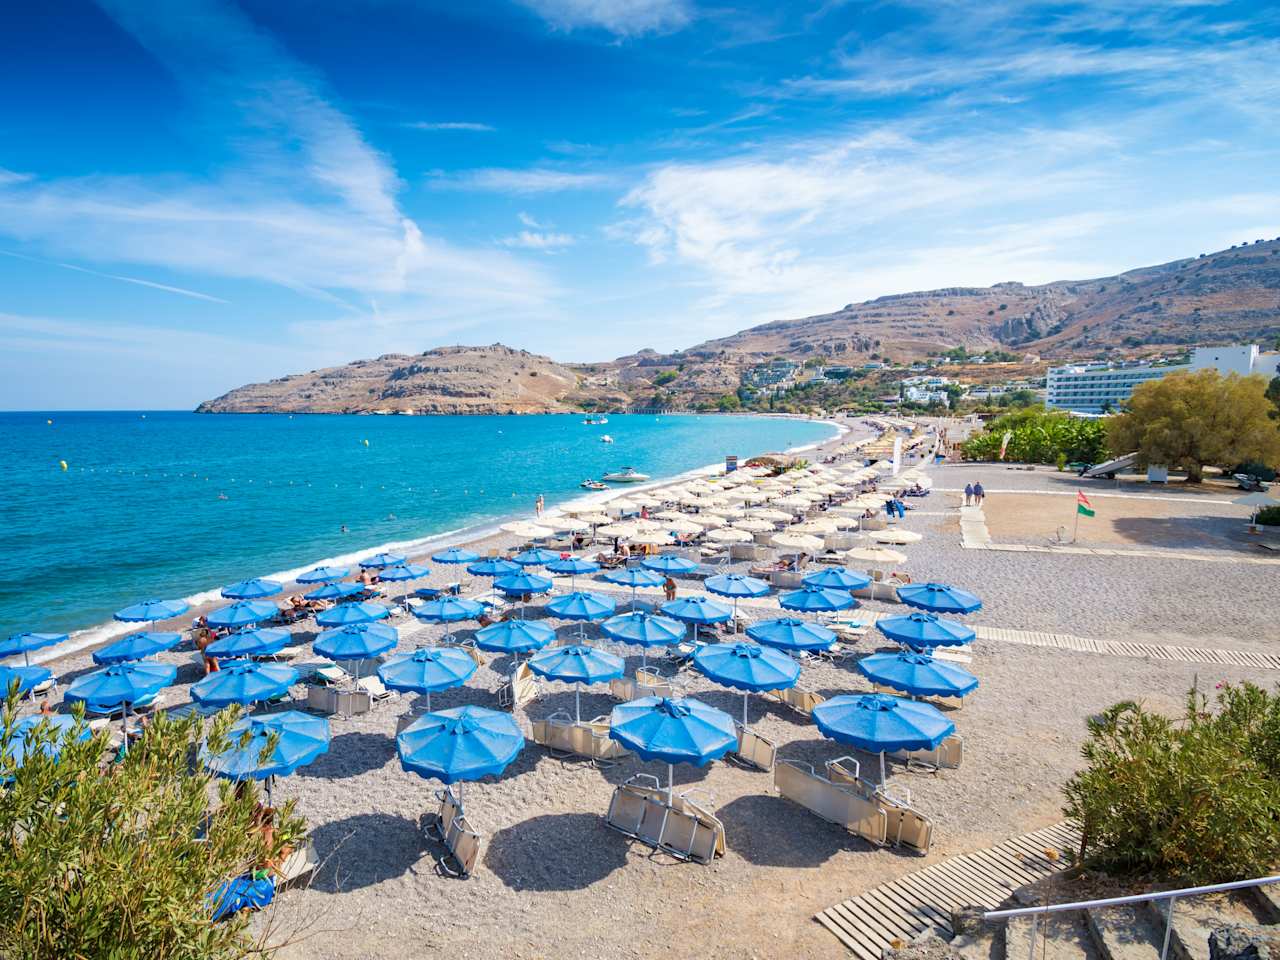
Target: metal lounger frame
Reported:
[(684, 828), (461, 840)]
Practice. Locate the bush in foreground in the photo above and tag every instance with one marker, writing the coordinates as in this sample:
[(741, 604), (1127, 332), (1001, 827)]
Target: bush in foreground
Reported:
[(1038, 436), (1188, 801), (117, 859)]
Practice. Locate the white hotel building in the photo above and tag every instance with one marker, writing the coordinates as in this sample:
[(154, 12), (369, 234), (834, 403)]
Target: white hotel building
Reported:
[(1096, 388)]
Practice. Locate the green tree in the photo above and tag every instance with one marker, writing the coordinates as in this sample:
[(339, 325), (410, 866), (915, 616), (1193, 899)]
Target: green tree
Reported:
[(1273, 394), (1188, 420), (665, 377), (1039, 436), (728, 402), (1164, 800), (118, 860)]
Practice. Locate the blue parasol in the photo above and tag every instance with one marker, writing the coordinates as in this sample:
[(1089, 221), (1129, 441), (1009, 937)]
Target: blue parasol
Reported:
[(298, 739), (428, 669), (938, 598), (324, 575), (633, 577), (582, 606), (878, 723), (454, 555), (149, 611), (737, 586), (669, 563), (356, 641), (535, 557), (577, 664), (747, 667), (925, 630), (244, 682), (27, 678), (515, 636), (254, 589), (493, 567), (817, 600), (136, 646), (256, 642), (242, 613), (680, 730), (335, 591), (789, 633), (24, 733), (917, 674), (573, 566), (465, 743), (519, 584), (380, 560), (24, 643), (837, 578), (346, 613)]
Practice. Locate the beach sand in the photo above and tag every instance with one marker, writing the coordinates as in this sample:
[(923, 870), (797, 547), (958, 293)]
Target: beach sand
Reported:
[(553, 881)]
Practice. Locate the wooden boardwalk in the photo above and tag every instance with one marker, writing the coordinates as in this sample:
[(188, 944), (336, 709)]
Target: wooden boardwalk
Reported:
[(903, 908)]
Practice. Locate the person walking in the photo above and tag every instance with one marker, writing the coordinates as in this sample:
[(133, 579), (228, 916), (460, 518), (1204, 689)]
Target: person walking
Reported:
[(669, 588), (978, 493), (968, 494), (538, 505)]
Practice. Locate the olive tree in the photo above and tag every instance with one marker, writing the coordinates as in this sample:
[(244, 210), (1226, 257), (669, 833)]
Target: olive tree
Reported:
[(1189, 420), (106, 856)]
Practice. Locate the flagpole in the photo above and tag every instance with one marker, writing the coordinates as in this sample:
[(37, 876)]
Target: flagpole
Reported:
[(1076, 526)]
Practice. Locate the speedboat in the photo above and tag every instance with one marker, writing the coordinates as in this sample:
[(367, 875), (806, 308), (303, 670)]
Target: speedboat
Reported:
[(626, 475), (593, 421), (606, 439), (592, 485)]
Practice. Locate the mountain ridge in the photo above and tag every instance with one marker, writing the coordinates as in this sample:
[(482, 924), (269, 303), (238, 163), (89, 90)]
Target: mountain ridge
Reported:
[(1229, 296)]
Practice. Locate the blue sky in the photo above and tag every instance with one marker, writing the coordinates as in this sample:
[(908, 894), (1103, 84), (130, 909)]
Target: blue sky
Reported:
[(198, 193)]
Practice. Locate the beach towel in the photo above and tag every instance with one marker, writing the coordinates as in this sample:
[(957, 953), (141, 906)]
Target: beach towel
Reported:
[(254, 891)]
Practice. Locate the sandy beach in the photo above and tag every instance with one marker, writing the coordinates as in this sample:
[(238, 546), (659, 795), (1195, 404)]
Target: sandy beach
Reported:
[(554, 881)]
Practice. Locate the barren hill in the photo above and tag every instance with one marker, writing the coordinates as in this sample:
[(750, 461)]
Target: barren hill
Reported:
[(495, 379), (1232, 296)]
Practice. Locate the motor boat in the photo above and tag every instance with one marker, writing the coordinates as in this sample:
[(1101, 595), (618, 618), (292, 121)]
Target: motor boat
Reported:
[(595, 421), (626, 475), (593, 485), (606, 439)]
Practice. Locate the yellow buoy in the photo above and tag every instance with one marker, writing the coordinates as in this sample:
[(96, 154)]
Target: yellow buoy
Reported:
[(62, 464)]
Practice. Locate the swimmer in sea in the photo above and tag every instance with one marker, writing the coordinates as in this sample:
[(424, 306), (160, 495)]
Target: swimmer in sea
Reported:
[(343, 528)]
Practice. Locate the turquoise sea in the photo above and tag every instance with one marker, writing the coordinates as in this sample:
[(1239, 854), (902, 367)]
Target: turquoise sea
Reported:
[(168, 504)]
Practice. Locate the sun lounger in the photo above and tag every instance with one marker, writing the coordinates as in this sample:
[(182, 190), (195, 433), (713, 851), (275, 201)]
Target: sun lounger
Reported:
[(835, 802), (565, 737), (797, 698), (470, 649), (945, 756), (301, 863), (375, 688), (678, 825), (461, 840), (520, 689), (754, 749), (646, 683), (904, 825)]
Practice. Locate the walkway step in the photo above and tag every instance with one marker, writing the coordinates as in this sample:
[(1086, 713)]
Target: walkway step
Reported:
[(1195, 918), (1058, 936), (902, 909), (1126, 932)]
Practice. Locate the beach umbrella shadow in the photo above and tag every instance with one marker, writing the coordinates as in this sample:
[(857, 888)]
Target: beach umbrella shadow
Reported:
[(364, 850), (772, 832), (351, 754), (566, 851)]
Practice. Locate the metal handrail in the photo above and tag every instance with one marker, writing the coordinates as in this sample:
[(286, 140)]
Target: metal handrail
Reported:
[(1171, 895), (1133, 898)]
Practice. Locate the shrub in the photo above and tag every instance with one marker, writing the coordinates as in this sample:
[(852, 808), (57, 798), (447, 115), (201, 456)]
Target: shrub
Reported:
[(1259, 470), (118, 860), (1188, 801), (1269, 516), (1040, 437)]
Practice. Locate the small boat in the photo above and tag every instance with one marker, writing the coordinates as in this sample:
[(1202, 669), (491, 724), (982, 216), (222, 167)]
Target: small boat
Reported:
[(606, 439), (592, 485), (626, 475), (594, 421)]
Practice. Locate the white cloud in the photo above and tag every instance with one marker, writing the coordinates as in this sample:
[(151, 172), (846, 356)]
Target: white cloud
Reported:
[(545, 242), (624, 18), (530, 221), (466, 125), (308, 204), (526, 181)]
